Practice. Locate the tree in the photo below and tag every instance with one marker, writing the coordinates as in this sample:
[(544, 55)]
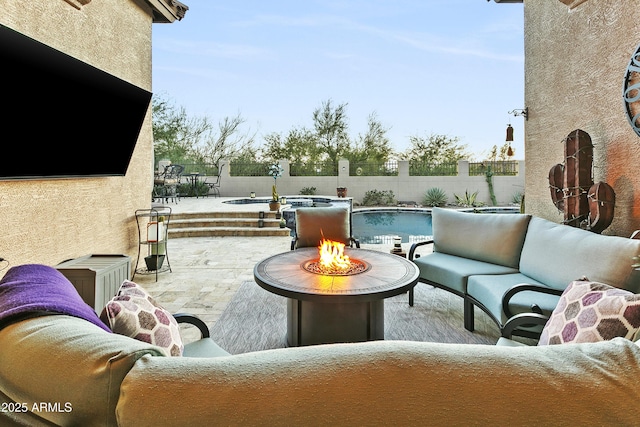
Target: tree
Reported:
[(227, 143), (436, 149), (174, 132), (186, 139), (331, 125), (329, 141), (373, 145), (500, 155), (298, 146)]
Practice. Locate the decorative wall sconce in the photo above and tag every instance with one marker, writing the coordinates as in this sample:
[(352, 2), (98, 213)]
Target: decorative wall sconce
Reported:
[(524, 113)]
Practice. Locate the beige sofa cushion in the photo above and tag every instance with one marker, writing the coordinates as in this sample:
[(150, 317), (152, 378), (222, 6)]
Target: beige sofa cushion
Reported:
[(389, 383), (69, 361), (493, 238)]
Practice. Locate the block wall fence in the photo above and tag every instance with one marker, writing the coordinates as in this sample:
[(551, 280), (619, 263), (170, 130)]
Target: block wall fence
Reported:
[(404, 186)]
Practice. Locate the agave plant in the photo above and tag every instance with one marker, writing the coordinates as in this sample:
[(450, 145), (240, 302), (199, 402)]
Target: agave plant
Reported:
[(469, 199), (435, 197)]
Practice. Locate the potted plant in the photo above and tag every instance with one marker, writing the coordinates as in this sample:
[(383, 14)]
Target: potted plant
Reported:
[(275, 171), (154, 262)]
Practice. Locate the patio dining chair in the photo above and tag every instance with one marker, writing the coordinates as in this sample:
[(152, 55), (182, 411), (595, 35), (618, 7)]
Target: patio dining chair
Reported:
[(315, 224), (214, 186), (166, 183)]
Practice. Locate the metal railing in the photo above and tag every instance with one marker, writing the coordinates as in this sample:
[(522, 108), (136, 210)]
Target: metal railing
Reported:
[(249, 169), (313, 169), (200, 168), (503, 168), (417, 168), (388, 168)]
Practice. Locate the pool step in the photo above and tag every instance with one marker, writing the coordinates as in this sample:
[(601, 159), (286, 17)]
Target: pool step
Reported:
[(215, 224)]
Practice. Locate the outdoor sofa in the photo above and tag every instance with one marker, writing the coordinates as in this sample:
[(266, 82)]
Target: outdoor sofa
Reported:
[(68, 369), (508, 264)]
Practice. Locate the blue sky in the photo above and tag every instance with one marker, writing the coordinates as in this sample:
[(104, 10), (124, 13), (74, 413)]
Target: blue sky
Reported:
[(452, 67)]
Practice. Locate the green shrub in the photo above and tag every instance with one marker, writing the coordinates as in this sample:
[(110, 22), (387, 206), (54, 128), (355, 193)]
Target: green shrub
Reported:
[(435, 197), (308, 191), (187, 190), (379, 198)]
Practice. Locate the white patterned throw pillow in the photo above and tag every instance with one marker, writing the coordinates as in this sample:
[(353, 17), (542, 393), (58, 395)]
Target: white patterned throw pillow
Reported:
[(591, 311), (134, 313)]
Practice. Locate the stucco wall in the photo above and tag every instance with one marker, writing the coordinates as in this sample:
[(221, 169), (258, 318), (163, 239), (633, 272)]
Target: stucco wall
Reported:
[(575, 61), (48, 221)]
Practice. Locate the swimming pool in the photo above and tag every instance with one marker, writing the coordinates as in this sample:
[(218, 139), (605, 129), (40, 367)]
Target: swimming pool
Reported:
[(378, 226), (295, 201)]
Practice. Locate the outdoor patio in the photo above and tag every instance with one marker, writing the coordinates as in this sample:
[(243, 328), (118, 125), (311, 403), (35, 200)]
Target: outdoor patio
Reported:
[(207, 271)]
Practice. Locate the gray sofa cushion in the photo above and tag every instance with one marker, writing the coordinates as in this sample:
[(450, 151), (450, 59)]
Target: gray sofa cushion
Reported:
[(489, 289), (556, 254), (493, 238), (65, 359), (452, 271)]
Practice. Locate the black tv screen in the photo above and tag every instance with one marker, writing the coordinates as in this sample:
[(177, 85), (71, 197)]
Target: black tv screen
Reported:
[(62, 117)]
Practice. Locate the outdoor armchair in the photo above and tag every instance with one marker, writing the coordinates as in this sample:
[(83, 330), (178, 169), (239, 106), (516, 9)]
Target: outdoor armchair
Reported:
[(315, 224)]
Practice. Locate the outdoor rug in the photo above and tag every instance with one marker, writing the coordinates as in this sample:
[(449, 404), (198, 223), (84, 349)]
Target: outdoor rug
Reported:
[(256, 319)]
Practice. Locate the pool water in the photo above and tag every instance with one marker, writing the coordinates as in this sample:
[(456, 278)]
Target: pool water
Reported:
[(380, 226)]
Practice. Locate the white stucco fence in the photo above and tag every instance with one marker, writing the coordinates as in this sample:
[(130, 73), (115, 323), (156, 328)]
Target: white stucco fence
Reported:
[(405, 187)]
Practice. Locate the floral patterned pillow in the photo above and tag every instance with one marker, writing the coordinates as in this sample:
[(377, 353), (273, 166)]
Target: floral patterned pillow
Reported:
[(591, 311), (134, 313)]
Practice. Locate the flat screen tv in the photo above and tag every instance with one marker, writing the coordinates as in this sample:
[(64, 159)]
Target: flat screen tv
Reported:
[(61, 117)]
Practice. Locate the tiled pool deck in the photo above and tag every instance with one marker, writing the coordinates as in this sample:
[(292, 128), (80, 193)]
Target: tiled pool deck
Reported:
[(207, 271)]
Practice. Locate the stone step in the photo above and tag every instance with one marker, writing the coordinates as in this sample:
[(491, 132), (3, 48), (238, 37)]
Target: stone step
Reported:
[(227, 231), (239, 214), (222, 222), (212, 224)]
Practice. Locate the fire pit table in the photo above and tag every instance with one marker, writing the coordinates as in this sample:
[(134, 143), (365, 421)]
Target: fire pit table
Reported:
[(327, 308)]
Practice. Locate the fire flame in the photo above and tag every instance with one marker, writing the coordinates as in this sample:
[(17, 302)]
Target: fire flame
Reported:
[(332, 257)]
